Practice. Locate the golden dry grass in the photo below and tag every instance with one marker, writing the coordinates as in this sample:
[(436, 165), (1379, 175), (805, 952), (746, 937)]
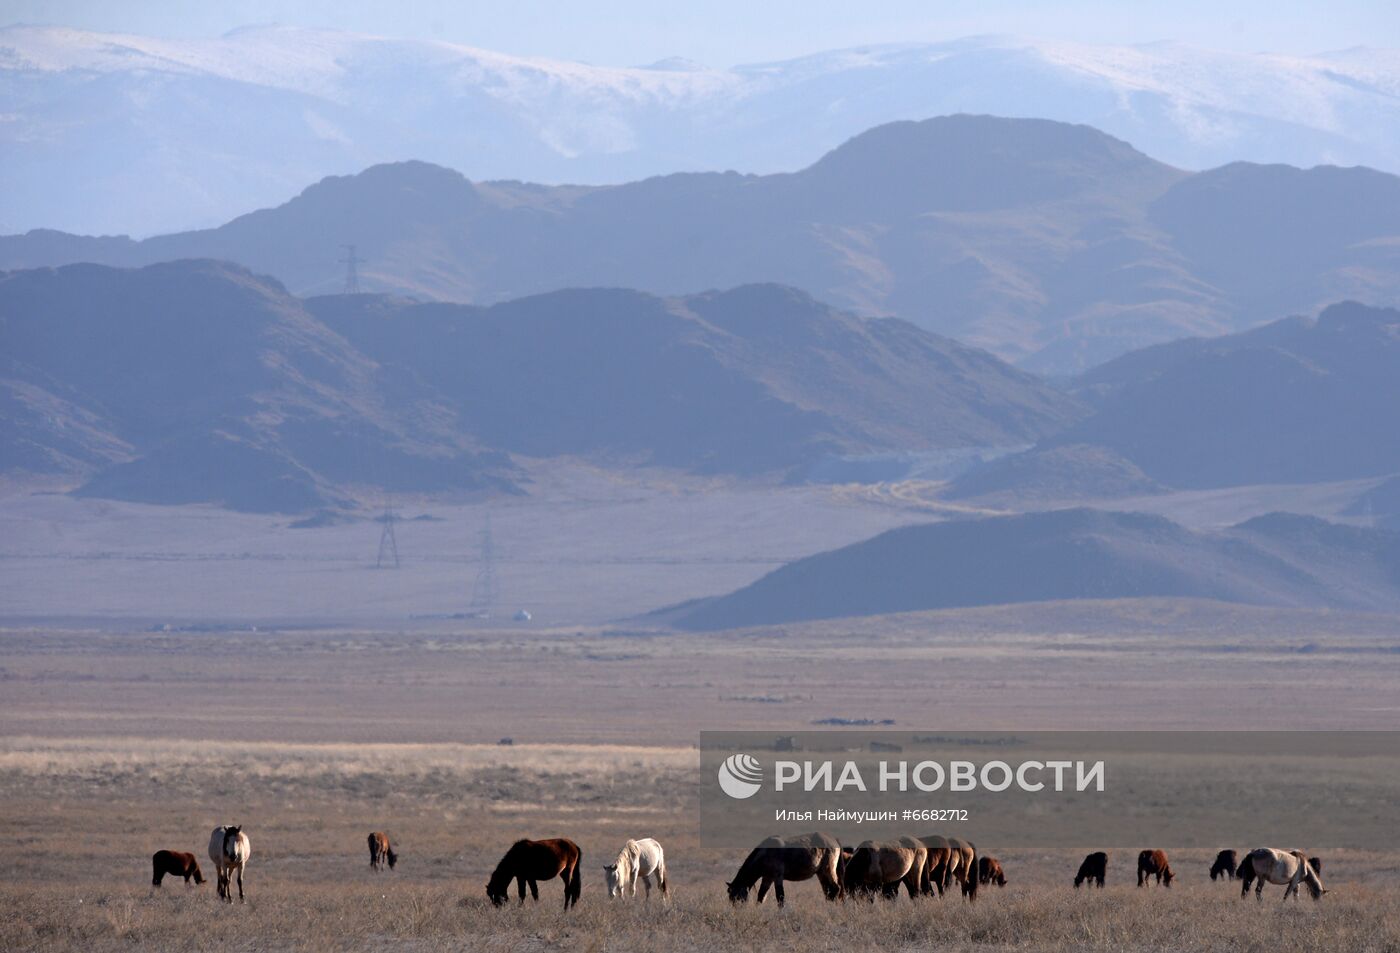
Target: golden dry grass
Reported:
[(83, 817), (114, 745)]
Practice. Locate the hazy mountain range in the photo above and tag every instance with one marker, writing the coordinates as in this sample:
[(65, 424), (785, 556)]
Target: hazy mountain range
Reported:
[(1279, 559), (197, 381), (1301, 400), (245, 119), (1052, 245)]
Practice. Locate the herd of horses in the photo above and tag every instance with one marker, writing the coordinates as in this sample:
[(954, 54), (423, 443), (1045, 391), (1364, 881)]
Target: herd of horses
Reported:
[(923, 866)]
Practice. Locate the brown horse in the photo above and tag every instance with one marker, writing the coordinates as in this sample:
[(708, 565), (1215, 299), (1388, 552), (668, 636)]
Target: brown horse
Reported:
[(966, 871), (882, 867), (530, 861), (380, 852), (1225, 864), (948, 860), (177, 864), (779, 859), (939, 862), (989, 871), (1154, 863), (1093, 869)]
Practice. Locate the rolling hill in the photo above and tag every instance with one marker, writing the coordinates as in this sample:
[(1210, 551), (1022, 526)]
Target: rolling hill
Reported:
[(1278, 559), (1051, 245), (197, 381), (1296, 401)]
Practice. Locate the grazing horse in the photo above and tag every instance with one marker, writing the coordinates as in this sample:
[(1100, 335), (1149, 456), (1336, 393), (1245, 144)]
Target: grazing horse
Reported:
[(884, 866), (229, 849), (1154, 863), (948, 860), (530, 861), (1279, 867), (380, 852), (965, 870), (1225, 864), (989, 871), (1093, 869), (177, 864), (940, 861), (778, 859), (638, 858)]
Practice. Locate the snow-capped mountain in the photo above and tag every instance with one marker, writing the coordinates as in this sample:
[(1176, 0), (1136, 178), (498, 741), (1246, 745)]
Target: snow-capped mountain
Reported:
[(120, 133)]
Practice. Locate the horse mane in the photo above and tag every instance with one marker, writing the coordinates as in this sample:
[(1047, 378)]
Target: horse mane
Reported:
[(502, 875), (751, 869)]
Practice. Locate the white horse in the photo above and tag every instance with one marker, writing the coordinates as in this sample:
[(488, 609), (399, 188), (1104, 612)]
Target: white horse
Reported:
[(1279, 867), (229, 849), (638, 858)]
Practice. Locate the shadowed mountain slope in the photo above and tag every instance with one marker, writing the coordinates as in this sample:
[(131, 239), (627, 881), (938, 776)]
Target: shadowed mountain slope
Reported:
[(199, 381), (1279, 559)]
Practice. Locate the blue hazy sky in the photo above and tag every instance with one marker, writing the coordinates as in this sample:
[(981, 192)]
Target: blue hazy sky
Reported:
[(725, 32)]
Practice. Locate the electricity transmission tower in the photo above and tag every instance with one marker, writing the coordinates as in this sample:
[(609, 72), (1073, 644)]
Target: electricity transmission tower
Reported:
[(388, 543), (484, 591), (351, 261)]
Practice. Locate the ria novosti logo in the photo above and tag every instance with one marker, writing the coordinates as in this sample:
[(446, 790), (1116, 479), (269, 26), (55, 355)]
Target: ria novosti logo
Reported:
[(740, 776)]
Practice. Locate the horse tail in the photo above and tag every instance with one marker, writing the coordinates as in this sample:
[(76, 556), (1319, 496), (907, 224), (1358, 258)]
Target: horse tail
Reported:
[(970, 886), (576, 878), (393, 857)]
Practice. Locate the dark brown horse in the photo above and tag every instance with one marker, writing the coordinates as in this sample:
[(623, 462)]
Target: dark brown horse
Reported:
[(1225, 864), (1154, 863), (881, 867), (989, 871), (1093, 869), (380, 852), (779, 859), (176, 863), (530, 861)]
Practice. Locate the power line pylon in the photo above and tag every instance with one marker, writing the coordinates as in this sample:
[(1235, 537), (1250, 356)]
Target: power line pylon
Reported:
[(388, 544), (351, 261)]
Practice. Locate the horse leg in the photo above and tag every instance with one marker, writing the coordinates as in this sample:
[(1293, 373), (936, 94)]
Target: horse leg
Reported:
[(520, 888), (778, 891), (763, 888), (646, 882), (535, 889), (240, 884)]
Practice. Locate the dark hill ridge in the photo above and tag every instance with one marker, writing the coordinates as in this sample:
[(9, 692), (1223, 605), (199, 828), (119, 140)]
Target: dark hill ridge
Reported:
[(1047, 243), (1295, 401), (199, 381), (206, 383), (756, 378), (1280, 559), (1299, 400)]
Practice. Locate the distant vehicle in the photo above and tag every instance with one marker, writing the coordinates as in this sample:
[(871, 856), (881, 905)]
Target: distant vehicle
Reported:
[(523, 615)]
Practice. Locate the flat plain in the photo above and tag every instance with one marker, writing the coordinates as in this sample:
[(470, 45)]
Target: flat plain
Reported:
[(116, 743)]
